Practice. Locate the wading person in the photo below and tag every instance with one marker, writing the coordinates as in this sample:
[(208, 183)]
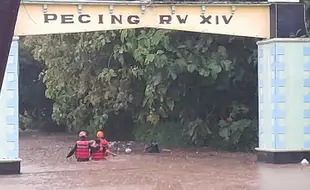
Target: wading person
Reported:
[(103, 142), (83, 148), (100, 154)]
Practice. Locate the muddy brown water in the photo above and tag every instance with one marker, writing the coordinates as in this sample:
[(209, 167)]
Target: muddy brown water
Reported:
[(45, 167)]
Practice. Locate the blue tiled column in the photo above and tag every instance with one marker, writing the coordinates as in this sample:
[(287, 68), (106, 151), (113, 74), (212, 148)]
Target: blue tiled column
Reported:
[(306, 68), (9, 117), (265, 97), (284, 95), (278, 98)]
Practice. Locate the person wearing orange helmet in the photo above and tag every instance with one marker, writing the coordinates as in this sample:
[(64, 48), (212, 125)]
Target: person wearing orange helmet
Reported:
[(100, 152), (83, 148), (103, 144)]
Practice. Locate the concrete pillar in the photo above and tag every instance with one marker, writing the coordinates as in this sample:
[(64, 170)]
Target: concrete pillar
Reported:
[(284, 100), (9, 117), (282, 136)]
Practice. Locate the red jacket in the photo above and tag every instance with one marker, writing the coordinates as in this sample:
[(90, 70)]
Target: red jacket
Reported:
[(82, 150), (105, 143), (100, 154)]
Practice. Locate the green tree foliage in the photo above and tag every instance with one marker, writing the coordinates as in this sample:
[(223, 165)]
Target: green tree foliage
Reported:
[(205, 83), (34, 108), (178, 87)]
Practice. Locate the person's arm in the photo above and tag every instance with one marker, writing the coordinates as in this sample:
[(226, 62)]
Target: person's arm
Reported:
[(94, 149), (106, 144), (72, 151), (93, 146), (91, 143)]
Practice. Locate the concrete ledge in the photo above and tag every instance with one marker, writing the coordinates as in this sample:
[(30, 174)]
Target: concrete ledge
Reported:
[(9, 167), (283, 40), (128, 2), (282, 157), (283, 150), (15, 38)]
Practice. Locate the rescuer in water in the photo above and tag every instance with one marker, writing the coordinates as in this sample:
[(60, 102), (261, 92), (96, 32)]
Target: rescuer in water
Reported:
[(100, 154), (83, 148), (103, 142)]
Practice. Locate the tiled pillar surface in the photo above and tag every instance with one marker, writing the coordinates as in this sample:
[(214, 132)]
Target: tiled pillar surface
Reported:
[(9, 122), (284, 94)]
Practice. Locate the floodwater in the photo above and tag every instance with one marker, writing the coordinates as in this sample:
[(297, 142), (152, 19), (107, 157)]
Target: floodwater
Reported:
[(45, 167)]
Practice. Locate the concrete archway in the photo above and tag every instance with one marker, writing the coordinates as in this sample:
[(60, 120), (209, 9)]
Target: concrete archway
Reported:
[(283, 62)]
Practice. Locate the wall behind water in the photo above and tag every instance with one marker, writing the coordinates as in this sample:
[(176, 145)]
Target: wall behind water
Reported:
[(9, 123)]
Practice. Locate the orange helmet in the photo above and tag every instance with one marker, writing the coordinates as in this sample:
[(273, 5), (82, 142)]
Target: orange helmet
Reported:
[(82, 134), (100, 134)]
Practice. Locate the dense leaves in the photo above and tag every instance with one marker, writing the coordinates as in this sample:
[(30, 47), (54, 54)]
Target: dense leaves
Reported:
[(177, 87), (204, 83), (35, 109)]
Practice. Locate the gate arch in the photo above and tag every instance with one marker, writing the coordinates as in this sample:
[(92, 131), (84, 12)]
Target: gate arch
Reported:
[(267, 20)]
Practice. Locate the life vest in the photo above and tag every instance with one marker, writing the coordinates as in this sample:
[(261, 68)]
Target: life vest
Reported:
[(104, 142), (99, 155), (82, 150)]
